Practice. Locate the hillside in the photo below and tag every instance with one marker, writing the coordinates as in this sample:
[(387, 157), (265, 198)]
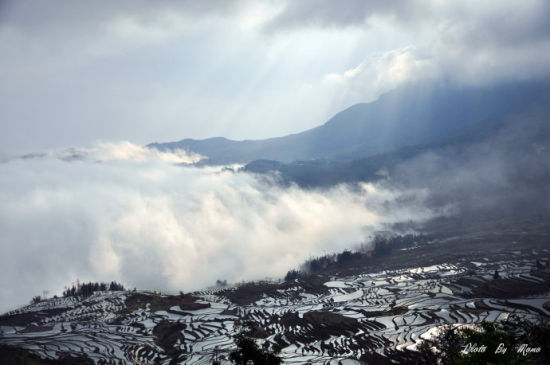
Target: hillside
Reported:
[(374, 310)]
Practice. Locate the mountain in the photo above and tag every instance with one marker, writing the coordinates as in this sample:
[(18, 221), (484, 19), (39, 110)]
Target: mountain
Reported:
[(509, 136), (416, 114), (498, 168)]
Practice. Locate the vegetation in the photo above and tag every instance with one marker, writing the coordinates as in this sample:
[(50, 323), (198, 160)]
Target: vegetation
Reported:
[(158, 302), (292, 275), (83, 290), (20, 356), (248, 349), (167, 334), (221, 283), (514, 341), (381, 245), (87, 289)]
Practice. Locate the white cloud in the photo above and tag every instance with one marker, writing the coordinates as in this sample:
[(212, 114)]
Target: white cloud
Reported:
[(121, 151), (464, 42), (126, 151), (380, 73), (161, 226)]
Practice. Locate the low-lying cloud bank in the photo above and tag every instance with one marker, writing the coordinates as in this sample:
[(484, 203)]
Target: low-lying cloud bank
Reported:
[(123, 151), (158, 225)]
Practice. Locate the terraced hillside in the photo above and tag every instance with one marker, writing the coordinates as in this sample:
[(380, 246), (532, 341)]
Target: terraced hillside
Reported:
[(368, 315)]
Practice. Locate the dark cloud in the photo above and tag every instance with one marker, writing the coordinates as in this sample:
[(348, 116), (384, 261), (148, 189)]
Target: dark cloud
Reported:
[(327, 13), (507, 20), (31, 15)]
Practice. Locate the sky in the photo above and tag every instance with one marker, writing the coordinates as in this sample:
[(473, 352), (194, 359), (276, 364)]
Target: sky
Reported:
[(85, 84), (75, 73)]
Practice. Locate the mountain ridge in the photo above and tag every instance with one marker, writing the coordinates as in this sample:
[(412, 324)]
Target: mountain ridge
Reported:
[(413, 115)]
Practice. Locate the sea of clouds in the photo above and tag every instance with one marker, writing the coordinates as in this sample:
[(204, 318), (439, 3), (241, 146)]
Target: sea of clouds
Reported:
[(150, 220)]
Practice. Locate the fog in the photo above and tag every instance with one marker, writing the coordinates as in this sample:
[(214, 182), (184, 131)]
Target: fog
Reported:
[(126, 213), (504, 176)]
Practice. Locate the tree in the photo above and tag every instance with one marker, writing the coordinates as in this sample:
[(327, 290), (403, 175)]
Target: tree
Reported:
[(292, 275), (247, 350), (382, 246), (508, 336), (114, 286), (87, 289)]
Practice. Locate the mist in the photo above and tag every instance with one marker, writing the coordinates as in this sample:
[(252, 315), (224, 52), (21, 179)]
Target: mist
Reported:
[(504, 176), (126, 213)]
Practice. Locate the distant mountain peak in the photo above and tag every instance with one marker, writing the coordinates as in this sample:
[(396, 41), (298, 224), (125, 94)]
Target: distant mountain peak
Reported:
[(415, 114)]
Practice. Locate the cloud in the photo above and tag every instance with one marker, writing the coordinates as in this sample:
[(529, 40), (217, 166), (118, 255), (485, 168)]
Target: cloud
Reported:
[(160, 226), (142, 71), (79, 34), (380, 73), (127, 151), (480, 20), (121, 151), (462, 41), (326, 13), (504, 177)]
